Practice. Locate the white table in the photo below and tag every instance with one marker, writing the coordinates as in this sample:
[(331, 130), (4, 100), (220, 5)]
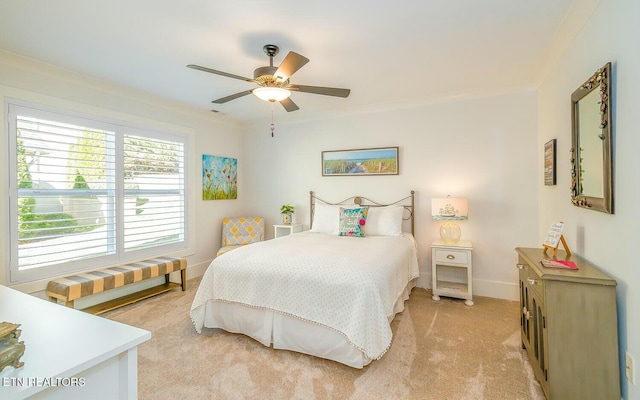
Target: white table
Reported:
[(64, 346), (451, 270), (284, 230)]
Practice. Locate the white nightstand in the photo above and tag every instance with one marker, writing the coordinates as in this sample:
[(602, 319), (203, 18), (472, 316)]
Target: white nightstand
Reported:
[(284, 230), (451, 270)]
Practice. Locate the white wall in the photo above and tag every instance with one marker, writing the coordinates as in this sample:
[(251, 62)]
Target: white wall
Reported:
[(483, 149), (609, 241), (35, 82)]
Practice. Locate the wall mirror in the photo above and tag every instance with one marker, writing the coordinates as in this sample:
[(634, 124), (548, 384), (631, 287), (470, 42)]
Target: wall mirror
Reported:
[(591, 152)]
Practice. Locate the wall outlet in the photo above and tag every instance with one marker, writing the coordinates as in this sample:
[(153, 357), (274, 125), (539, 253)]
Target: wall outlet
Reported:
[(629, 368)]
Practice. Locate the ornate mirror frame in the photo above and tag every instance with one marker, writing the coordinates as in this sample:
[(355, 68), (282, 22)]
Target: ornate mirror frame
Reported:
[(592, 172)]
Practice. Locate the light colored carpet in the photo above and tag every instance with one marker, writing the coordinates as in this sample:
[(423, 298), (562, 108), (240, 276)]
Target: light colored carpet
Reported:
[(441, 350)]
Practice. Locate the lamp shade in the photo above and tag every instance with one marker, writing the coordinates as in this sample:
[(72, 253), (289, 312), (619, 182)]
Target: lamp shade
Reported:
[(270, 93), (449, 208)]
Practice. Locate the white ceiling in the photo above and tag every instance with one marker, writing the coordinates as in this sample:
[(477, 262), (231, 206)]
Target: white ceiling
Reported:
[(389, 53)]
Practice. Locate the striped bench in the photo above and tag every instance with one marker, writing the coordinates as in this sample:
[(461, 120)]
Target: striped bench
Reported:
[(73, 287)]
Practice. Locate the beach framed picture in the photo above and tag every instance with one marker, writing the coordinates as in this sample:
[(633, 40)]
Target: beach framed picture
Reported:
[(374, 161), (219, 178)]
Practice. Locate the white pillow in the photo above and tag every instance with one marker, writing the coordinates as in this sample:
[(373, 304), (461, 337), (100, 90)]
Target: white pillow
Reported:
[(385, 221), (326, 218)]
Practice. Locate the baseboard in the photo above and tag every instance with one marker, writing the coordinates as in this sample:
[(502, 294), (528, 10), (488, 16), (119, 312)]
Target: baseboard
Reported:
[(197, 270), (424, 281), (497, 290)]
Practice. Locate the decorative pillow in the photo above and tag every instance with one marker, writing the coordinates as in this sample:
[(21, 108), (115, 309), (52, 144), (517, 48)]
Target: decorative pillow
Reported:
[(233, 240), (385, 221), (353, 221)]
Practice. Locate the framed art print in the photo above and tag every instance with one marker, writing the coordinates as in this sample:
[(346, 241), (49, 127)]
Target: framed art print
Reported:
[(550, 163), (219, 177), (375, 161)]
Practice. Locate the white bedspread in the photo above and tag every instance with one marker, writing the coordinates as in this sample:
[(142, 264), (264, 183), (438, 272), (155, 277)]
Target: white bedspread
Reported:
[(347, 284)]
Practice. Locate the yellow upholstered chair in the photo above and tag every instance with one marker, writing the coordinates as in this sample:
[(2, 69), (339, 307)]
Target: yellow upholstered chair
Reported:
[(240, 231)]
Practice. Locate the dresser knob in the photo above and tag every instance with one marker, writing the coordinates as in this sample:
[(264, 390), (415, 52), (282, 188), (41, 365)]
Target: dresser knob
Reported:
[(520, 266), (532, 281), (451, 257)]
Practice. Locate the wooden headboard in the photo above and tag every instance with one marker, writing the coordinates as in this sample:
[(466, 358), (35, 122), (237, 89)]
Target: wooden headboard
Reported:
[(406, 202)]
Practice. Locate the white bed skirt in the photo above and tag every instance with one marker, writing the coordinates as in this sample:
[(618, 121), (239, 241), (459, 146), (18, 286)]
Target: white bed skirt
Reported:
[(289, 333)]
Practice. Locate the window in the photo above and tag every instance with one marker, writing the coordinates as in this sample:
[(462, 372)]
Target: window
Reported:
[(87, 193)]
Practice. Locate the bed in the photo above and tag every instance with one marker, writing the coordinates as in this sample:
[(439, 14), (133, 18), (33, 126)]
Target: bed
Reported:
[(321, 292)]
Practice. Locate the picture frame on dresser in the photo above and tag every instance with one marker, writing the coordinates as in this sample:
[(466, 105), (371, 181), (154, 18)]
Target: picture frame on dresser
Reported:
[(554, 237)]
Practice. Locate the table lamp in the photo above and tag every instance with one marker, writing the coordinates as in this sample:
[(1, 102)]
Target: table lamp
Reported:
[(449, 209)]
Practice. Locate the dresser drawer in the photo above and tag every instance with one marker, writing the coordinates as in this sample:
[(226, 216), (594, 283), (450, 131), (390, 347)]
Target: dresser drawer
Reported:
[(532, 279), (451, 256)]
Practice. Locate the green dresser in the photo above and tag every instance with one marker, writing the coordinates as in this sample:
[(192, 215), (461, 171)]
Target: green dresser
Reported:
[(569, 327)]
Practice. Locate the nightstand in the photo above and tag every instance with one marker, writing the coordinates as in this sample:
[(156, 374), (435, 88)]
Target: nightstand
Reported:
[(284, 230), (451, 270)]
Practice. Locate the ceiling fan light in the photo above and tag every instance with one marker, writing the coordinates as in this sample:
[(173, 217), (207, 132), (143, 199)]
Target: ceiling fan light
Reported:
[(270, 93)]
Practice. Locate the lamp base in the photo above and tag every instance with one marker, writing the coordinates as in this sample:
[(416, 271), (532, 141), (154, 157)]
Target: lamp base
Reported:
[(450, 233)]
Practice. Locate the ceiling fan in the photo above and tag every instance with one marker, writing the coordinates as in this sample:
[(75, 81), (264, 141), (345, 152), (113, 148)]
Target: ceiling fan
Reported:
[(274, 82)]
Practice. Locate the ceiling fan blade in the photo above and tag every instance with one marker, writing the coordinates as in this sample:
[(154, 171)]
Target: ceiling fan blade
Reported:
[(232, 97), (213, 71), (291, 63), (289, 105), (327, 91)]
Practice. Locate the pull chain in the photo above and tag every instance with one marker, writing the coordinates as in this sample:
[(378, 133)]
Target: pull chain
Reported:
[(273, 127)]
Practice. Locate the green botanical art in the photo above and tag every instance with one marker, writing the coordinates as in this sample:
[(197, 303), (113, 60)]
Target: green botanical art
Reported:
[(219, 177)]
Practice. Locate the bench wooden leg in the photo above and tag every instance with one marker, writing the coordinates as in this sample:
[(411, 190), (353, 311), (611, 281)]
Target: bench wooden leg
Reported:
[(53, 299), (183, 279), (69, 304)]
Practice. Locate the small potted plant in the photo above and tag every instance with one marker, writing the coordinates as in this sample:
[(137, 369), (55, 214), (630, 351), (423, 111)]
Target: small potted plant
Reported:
[(286, 211)]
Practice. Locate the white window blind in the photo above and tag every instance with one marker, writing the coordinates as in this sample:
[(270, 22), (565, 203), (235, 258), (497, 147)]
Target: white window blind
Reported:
[(87, 193), (153, 192)]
